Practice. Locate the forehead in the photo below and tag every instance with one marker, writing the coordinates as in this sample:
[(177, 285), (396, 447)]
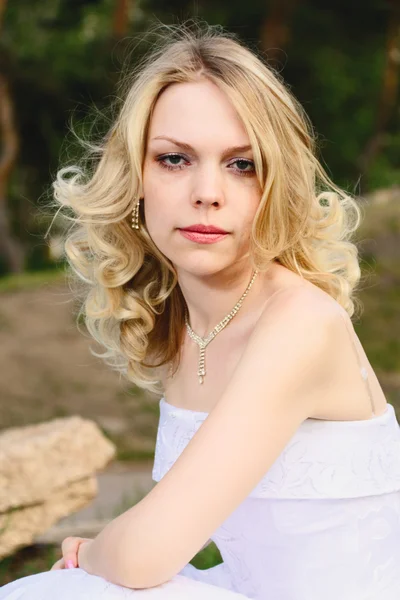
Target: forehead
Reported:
[(197, 112)]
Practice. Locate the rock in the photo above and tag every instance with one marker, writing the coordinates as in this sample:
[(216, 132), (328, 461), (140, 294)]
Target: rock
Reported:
[(47, 472), (19, 527), (58, 533), (37, 461)]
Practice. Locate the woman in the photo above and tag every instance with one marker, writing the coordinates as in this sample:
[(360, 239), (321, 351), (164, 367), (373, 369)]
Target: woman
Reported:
[(220, 266)]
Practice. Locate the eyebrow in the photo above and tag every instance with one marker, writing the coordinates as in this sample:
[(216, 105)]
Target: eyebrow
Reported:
[(189, 148)]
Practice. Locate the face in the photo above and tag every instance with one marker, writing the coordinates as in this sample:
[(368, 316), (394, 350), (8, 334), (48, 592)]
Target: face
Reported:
[(199, 171)]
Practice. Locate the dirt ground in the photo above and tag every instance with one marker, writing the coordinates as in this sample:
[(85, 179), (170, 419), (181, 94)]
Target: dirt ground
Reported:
[(47, 371)]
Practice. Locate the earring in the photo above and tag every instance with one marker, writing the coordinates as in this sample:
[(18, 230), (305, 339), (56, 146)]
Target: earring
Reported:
[(135, 215)]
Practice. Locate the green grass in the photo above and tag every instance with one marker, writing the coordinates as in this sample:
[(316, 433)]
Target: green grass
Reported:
[(28, 561), (207, 558), (31, 280), (127, 454)]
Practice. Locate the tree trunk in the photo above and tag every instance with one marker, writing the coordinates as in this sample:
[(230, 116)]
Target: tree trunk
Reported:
[(389, 90), (2, 9), (276, 28), (10, 248), (121, 18)]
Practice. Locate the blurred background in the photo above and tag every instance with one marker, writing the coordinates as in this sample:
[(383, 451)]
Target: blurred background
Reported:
[(60, 61)]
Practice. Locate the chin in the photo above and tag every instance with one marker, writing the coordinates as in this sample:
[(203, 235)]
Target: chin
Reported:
[(205, 267)]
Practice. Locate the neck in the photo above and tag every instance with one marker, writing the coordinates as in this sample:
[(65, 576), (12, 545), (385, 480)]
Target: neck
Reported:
[(211, 298)]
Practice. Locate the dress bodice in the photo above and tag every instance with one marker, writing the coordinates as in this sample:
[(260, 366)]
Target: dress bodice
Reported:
[(324, 459), (323, 522)]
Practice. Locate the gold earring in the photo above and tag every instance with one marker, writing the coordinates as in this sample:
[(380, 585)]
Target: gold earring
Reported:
[(135, 215)]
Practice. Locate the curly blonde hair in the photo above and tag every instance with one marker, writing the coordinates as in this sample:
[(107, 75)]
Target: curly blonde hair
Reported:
[(132, 303)]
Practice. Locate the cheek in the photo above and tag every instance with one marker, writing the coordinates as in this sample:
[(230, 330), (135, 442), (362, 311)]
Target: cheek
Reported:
[(156, 216), (248, 208), (255, 201), (245, 217), (155, 208)]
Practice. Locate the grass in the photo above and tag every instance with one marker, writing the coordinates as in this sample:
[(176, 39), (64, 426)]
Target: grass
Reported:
[(25, 281), (28, 561)]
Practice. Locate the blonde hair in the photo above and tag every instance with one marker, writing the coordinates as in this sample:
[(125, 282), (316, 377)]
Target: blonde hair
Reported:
[(134, 307)]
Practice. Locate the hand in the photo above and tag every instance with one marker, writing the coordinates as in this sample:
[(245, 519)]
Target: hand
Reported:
[(70, 548)]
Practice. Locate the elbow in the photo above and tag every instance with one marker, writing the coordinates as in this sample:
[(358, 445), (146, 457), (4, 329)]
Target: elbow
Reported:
[(154, 574), (143, 574), (160, 567), (135, 578)]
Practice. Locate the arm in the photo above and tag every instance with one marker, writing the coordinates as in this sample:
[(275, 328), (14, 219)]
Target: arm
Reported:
[(208, 542), (279, 382)]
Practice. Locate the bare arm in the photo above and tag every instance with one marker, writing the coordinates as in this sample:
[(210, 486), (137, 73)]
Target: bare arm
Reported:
[(208, 542), (278, 383)]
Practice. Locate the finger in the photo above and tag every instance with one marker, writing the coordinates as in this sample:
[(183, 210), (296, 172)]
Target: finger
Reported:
[(70, 547)]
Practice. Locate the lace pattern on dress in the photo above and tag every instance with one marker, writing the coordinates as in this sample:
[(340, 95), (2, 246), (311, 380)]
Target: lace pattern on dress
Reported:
[(324, 459)]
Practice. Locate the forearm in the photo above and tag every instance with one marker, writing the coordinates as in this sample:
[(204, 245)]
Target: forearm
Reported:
[(119, 552), (140, 548), (208, 542)]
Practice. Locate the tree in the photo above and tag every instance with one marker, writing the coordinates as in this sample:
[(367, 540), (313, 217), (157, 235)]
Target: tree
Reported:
[(11, 248), (388, 92)]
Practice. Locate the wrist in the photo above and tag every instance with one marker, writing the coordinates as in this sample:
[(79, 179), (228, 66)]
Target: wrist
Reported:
[(83, 559)]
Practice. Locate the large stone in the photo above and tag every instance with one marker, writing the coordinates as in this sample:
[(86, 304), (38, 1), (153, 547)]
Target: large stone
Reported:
[(19, 527), (36, 461)]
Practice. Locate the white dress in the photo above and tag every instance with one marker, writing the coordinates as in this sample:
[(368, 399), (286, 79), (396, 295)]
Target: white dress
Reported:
[(322, 524)]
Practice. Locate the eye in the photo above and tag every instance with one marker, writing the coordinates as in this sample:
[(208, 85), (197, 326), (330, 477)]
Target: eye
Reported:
[(173, 158), (243, 163)]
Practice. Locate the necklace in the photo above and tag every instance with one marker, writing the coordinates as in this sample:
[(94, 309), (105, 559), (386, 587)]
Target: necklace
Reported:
[(203, 342)]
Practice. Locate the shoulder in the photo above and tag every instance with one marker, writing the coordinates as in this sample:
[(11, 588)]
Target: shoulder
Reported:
[(289, 353), (299, 309)]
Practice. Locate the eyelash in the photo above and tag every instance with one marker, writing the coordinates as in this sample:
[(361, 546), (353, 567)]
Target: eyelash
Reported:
[(162, 164)]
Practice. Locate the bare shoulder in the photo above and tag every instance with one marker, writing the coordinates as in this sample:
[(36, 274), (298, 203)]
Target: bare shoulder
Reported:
[(286, 364), (303, 304)]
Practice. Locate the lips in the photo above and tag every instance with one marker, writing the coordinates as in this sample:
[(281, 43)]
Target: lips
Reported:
[(203, 229)]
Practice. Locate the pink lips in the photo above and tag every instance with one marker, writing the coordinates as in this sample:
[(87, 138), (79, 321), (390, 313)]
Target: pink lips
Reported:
[(203, 234)]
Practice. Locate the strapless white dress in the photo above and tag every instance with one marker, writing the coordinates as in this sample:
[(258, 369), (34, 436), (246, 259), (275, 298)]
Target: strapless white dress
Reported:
[(322, 524)]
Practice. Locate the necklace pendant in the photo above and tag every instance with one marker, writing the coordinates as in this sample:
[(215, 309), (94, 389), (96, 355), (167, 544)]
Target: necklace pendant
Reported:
[(202, 367)]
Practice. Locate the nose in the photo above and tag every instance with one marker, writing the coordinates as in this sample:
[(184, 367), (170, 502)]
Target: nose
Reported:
[(208, 188)]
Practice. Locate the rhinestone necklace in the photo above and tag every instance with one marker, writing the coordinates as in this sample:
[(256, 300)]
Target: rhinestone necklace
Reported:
[(203, 342)]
